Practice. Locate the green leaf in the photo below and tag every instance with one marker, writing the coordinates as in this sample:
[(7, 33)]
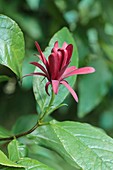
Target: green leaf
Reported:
[(106, 119), (24, 123), (4, 78), (4, 133), (80, 144), (31, 164), (39, 84), (16, 150), (6, 162), (98, 85), (48, 157), (13, 150), (11, 45), (31, 26)]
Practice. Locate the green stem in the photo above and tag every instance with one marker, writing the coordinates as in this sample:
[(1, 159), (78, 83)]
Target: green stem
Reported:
[(49, 105)]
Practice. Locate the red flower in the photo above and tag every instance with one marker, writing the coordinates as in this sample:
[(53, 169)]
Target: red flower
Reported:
[(56, 68)]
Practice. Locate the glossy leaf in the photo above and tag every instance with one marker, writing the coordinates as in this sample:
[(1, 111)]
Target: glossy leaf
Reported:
[(39, 83), (48, 157), (92, 88), (16, 150), (6, 162), (31, 164), (80, 144), (11, 45), (13, 150)]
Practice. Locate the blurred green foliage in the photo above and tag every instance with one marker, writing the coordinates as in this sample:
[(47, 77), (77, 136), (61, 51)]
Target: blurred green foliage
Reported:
[(91, 24)]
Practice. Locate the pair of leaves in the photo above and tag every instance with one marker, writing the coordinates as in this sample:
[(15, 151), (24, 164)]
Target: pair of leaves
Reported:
[(16, 154), (81, 145)]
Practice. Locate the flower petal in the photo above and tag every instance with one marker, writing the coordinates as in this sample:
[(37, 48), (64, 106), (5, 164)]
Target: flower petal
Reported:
[(55, 86), (41, 54), (70, 89), (35, 74), (59, 77), (41, 67), (69, 49), (68, 71), (83, 70), (55, 48), (56, 44), (53, 65), (64, 45), (46, 87), (66, 53), (65, 57)]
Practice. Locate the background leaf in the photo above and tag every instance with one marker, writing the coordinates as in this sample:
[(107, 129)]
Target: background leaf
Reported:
[(79, 144), (11, 45), (33, 4), (4, 133), (90, 97), (39, 84), (24, 123)]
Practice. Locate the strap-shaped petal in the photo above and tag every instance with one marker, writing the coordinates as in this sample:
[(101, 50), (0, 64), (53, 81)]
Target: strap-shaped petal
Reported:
[(62, 72), (53, 65), (69, 49), (55, 48), (65, 57), (46, 87), (41, 67), (35, 74), (55, 86), (83, 70), (68, 71), (70, 90), (41, 54)]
